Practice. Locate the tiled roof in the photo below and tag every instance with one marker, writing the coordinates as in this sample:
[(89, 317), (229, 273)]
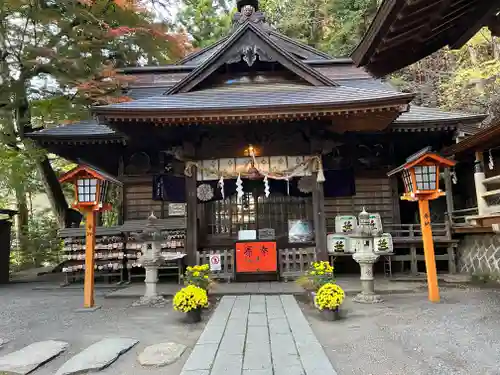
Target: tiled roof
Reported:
[(417, 114), (255, 96), (137, 93), (425, 114), (87, 130)]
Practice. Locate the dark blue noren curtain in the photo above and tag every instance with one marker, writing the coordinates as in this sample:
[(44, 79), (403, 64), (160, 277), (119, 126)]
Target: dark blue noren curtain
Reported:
[(169, 188)]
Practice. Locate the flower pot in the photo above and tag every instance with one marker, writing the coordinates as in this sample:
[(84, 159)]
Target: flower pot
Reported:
[(313, 296), (194, 316), (330, 315)]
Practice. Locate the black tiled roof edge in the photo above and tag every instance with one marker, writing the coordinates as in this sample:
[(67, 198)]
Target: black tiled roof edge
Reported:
[(84, 131)]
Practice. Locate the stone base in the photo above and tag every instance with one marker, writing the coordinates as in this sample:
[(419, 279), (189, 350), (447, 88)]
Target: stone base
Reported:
[(87, 309), (156, 301), (367, 298)]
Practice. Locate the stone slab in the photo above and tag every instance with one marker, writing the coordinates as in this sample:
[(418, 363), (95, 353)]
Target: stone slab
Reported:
[(227, 364), (312, 354), (195, 372), (258, 372), (201, 358), (161, 354), (232, 344), (257, 358), (291, 370), (31, 357), (212, 334), (88, 309), (278, 326), (97, 356), (257, 320)]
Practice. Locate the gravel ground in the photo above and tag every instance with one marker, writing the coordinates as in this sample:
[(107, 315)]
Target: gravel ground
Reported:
[(27, 316), (408, 335)]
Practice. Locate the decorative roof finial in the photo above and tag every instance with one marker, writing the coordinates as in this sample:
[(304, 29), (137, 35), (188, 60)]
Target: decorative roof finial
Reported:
[(248, 11), (243, 3)]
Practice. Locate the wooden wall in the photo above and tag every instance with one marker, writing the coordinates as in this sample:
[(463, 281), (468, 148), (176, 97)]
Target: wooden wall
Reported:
[(138, 202), (376, 195)]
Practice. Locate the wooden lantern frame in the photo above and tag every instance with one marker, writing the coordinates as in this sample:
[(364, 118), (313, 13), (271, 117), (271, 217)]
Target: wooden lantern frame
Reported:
[(424, 158), (85, 172), (89, 208)]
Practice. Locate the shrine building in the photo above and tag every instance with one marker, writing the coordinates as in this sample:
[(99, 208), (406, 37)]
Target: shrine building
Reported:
[(261, 138)]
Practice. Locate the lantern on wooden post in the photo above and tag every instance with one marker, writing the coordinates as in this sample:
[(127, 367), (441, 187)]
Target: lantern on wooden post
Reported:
[(91, 190), (420, 176)]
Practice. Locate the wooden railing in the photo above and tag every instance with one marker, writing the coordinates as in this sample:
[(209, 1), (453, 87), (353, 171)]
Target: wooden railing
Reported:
[(414, 231), (458, 216)]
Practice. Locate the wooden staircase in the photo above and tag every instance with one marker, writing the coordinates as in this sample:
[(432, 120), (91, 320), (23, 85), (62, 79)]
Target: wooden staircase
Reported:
[(492, 194)]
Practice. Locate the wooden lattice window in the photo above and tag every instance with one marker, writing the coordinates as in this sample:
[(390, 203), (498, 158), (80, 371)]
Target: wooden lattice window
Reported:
[(226, 217)]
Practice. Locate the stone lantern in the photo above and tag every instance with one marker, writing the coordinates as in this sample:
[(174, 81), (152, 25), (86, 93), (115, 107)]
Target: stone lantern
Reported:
[(362, 245), (151, 260)]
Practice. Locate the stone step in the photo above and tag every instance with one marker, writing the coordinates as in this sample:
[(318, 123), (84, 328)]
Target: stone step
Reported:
[(161, 354), (31, 357), (492, 180), (97, 356)]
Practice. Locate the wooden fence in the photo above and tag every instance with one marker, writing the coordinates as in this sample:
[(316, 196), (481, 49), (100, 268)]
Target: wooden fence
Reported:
[(293, 262)]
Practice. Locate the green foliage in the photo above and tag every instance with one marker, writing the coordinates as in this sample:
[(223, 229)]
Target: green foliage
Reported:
[(461, 80), (206, 21), (333, 26), (44, 247)]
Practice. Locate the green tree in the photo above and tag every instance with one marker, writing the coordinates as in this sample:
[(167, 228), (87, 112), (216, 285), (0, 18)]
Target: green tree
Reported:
[(58, 57), (334, 26), (206, 21)]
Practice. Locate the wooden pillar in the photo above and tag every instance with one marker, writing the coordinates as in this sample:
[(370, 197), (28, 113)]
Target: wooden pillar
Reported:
[(448, 186), (88, 292), (479, 177), (430, 258), (191, 210), (319, 220)]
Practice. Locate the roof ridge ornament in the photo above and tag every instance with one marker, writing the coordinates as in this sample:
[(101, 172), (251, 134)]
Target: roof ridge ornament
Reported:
[(248, 11)]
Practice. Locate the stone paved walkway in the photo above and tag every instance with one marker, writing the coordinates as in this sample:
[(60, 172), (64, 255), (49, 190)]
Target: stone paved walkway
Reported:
[(258, 335)]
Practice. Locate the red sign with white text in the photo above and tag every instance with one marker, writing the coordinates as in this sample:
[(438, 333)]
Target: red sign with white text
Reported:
[(256, 257)]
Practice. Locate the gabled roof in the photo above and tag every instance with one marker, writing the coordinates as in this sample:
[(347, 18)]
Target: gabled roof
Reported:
[(249, 35), (290, 45), (405, 31), (483, 140)]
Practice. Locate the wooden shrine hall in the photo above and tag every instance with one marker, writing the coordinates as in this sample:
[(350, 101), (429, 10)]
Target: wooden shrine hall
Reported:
[(261, 138)]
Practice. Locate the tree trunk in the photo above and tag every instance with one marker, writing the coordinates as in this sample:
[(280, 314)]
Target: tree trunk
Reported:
[(53, 189), (22, 222), (49, 179)]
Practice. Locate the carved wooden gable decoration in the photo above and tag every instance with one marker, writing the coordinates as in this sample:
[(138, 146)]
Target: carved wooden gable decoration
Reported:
[(249, 42)]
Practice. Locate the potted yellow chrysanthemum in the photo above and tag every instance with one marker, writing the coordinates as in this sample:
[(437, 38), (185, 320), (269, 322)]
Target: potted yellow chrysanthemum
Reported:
[(318, 274), (328, 300), (199, 276), (191, 300)]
